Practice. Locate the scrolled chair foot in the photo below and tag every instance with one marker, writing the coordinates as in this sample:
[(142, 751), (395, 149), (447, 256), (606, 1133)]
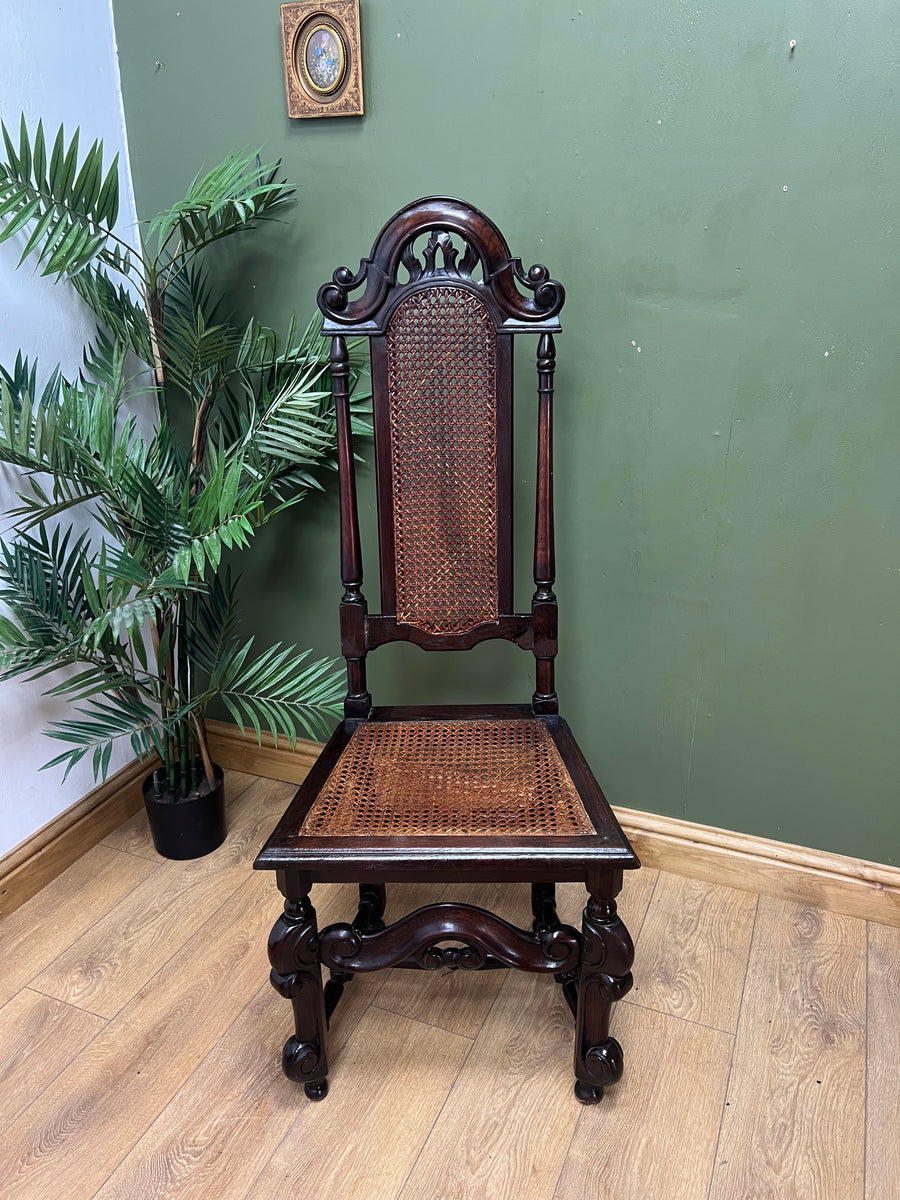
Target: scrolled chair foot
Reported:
[(299, 1060), (603, 1064), (317, 1090), (586, 1093)]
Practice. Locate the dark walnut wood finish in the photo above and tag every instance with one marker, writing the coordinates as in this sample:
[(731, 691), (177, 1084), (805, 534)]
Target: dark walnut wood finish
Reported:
[(510, 797)]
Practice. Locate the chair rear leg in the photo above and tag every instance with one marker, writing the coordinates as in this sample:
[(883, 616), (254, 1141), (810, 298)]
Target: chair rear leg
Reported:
[(296, 974), (368, 919), (372, 900), (604, 977), (543, 905)]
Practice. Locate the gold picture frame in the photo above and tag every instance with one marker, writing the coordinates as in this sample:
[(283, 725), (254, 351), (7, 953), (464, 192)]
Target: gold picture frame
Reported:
[(322, 58)]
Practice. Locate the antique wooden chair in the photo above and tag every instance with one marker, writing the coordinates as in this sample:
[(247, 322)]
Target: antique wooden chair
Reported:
[(462, 793)]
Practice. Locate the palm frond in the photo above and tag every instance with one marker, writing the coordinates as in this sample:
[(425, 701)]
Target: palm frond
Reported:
[(122, 316), (41, 584), (22, 383), (213, 624), (103, 678), (233, 194), (70, 206), (46, 585), (103, 723), (279, 690), (194, 350)]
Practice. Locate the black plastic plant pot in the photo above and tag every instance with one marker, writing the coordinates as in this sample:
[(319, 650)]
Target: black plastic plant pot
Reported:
[(186, 828)]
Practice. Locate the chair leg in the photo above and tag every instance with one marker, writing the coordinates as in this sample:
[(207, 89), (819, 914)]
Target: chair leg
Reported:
[(604, 977), (543, 905), (372, 899), (367, 920), (296, 974)]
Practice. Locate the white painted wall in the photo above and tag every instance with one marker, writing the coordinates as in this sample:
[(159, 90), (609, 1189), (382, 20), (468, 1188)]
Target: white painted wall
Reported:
[(60, 65)]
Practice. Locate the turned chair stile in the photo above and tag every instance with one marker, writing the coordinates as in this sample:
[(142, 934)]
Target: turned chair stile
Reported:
[(447, 793)]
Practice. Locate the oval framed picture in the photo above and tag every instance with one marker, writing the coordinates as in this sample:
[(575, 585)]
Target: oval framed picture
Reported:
[(322, 64), (322, 58)]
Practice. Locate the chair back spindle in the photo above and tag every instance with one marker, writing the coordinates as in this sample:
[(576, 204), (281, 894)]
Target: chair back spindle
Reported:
[(543, 605), (353, 605)]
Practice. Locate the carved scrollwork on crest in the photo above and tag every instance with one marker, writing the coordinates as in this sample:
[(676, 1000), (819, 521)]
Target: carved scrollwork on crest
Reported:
[(548, 294), (441, 218), (333, 297)]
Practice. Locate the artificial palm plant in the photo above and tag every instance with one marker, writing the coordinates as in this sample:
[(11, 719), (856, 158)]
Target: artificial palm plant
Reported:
[(135, 604)]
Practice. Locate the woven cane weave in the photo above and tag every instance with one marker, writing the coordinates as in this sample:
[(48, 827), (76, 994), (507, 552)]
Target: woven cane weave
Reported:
[(448, 778), (441, 355)]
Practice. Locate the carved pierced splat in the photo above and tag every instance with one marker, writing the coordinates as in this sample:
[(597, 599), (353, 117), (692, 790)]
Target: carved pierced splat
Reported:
[(427, 267)]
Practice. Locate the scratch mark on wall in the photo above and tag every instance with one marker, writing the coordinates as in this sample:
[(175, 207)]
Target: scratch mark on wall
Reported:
[(690, 766), (727, 453)]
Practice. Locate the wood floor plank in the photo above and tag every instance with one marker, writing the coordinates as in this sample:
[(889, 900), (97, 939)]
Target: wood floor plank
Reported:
[(631, 1145), (693, 951), (180, 1095), (44, 926), (362, 1140), (793, 1128), (201, 1151), (882, 1058), (112, 960), (39, 1036), (79, 1129), (133, 835), (508, 1121)]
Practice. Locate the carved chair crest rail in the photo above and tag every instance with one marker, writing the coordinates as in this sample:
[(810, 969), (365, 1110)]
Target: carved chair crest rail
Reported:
[(462, 793)]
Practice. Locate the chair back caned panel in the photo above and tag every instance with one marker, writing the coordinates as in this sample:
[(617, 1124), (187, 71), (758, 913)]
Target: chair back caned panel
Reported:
[(441, 421)]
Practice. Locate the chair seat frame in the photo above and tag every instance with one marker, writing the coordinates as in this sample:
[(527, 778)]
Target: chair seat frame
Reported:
[(591, 964)]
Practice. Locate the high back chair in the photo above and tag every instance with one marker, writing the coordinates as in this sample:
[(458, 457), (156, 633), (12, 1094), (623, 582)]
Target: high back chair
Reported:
[(463, 793)]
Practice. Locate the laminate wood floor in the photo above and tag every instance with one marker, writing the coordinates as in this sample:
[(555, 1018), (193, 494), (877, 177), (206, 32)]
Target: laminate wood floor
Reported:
[(140, 1048)]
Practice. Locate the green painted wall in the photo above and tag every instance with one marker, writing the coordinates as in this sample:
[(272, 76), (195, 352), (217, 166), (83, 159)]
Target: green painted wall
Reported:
[(723, 216)]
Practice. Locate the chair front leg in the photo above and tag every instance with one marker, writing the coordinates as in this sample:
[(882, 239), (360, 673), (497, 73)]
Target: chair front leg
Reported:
[(604, 977), (296, 974)]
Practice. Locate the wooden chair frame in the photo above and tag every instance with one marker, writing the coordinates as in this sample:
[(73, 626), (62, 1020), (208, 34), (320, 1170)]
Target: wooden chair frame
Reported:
[(592, 964)]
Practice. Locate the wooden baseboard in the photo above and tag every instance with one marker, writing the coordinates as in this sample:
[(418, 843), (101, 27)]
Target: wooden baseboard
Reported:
[(48, 852), (831, 881), (851, 886), (40, 858), (238, 750)]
